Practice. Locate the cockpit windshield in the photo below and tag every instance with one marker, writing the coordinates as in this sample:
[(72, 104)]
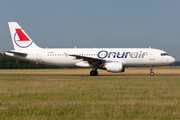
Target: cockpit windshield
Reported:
[(164, 54)]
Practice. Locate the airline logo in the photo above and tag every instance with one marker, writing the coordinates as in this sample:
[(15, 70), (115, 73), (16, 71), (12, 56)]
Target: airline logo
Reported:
[(105, 54), (21, 39)]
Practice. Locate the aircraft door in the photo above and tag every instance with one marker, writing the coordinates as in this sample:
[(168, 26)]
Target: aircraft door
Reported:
[(39, 55), (151, 54)]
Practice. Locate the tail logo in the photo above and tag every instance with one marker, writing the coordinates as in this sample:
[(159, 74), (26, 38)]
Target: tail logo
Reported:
[(21, 39)]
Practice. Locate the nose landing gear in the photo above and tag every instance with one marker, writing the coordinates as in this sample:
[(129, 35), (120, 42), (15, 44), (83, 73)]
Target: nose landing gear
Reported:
[(151, 71)]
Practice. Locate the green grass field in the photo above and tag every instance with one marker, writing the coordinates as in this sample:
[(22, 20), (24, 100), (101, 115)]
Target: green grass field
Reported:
[(85, 97)]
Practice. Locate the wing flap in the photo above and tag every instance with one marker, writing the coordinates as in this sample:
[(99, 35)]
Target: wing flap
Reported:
[(88, 59)]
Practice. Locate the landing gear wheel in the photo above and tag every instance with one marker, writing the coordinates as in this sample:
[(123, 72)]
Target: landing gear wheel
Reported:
[(151, 73), (94, 73)]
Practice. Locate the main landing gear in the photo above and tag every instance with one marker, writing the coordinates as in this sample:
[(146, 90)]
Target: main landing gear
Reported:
[(151, 71), (94, 72)]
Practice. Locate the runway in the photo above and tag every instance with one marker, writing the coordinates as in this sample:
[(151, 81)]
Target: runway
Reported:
[(89, 76)]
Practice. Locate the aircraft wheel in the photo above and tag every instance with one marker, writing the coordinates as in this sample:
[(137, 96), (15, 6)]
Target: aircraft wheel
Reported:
[(93, 73), (152, 73), (96, 73)]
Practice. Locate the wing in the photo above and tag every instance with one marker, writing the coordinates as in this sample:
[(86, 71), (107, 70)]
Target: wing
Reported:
[(88, 59), (92, 60)]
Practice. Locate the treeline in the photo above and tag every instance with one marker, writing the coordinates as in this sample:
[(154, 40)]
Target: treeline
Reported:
[(176, 64), (7, 62)]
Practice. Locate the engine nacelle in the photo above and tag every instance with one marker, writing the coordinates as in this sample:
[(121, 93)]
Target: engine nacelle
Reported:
[(114, 67)]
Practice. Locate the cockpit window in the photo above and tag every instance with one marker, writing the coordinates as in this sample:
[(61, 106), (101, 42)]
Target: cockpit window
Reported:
[(164, 54)]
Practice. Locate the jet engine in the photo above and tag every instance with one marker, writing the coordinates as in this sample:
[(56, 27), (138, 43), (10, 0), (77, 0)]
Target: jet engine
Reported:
[(114, 67)]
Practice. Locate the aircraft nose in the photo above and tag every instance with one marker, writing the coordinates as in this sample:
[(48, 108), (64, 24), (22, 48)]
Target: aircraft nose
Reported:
[(172, 60)]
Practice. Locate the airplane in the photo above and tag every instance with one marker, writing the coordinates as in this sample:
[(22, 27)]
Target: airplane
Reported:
[(111, 59)]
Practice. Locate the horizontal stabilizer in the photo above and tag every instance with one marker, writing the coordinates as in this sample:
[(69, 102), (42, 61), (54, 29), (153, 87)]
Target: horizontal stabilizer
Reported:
[(16, 52)]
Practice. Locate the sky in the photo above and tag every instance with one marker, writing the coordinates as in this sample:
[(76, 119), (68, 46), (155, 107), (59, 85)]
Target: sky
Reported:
[(95, 23)]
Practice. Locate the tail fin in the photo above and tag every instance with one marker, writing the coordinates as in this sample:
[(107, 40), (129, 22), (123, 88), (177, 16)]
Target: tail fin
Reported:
[(19, 37)]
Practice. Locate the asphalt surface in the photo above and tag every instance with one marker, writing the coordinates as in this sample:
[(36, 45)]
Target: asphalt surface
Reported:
[(89, 76)]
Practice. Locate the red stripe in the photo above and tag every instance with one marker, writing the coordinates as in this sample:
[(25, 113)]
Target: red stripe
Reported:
[(21, 35)]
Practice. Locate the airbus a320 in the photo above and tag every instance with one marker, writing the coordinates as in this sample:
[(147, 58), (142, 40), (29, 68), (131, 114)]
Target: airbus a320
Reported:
[(111, 59)]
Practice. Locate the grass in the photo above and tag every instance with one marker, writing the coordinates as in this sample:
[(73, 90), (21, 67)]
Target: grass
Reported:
[(83, 97)]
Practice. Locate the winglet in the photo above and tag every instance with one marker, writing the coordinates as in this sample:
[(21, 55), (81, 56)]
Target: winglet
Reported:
[(66, 54)]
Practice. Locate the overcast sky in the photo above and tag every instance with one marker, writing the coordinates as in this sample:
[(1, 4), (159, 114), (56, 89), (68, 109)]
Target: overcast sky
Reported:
[(95, 23)]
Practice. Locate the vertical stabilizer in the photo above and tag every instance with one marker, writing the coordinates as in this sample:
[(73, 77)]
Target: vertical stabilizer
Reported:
[(19, 37)]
